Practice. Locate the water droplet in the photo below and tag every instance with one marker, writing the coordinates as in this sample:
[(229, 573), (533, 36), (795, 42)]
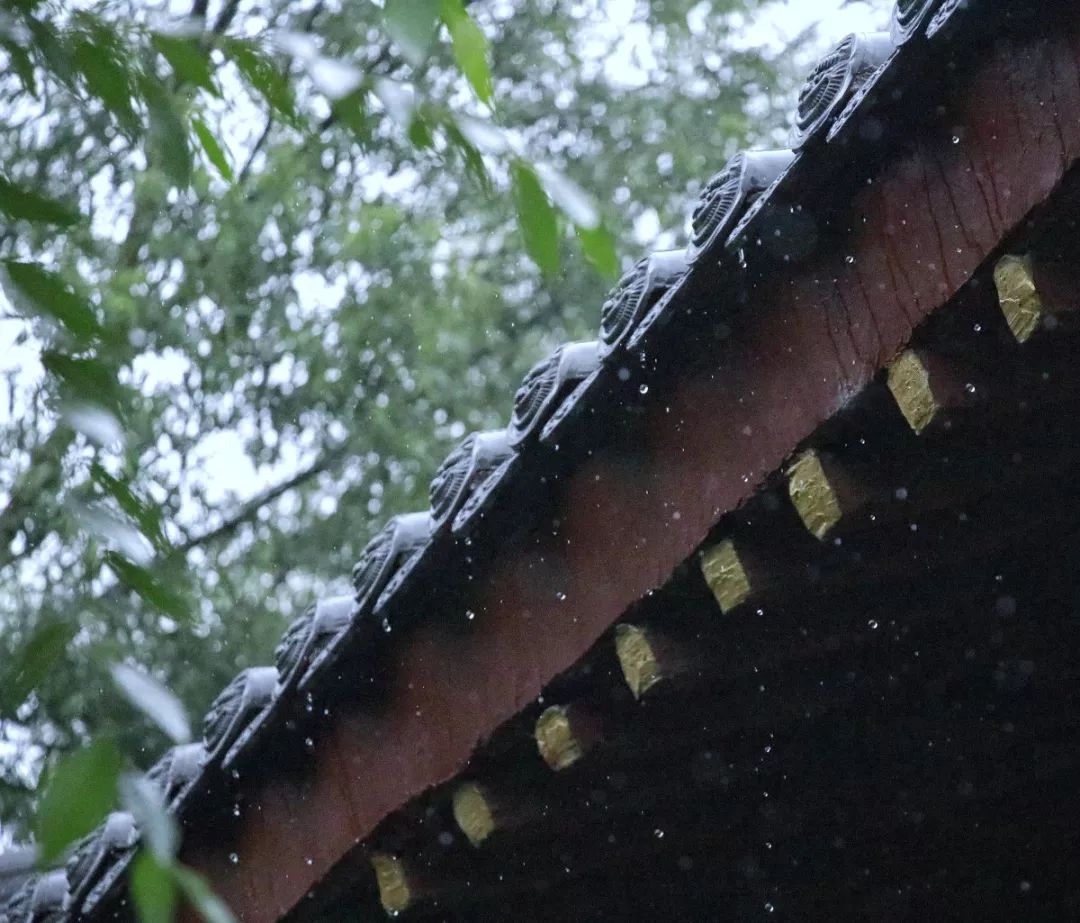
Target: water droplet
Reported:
[(386, 625), (308, 860), (643, 389), (234, 858), (978, 328), (658, 833), (309, 744), (849, 259), (955, 139), (560, 596), (970, 388), (872, 624), (1005, 606), (236, 810), (901, 493), (469, 615), (769, 908)]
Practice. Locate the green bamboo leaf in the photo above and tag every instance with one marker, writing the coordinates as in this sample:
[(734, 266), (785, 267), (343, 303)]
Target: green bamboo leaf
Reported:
[(33, 661), (49, 296), (197, 891), (88, 379), (213, 150), (168, 133), (411, 24), (598, 245), (474, 162), (188, 60), (263, 76), (139, 580), (147, 515), (158, 829), (153, 889), (568, 197), (154, 700), (21, 64), (21, 203), (470, 47), (106, 76), (536, 217), (80, 792)]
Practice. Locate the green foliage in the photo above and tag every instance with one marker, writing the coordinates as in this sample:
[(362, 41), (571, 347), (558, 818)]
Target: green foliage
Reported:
[(153, 889), (80, 792), (154, 700), (470, 47), (31, 206), (264, 312), (539, 226), (411, 24), (32, 663)]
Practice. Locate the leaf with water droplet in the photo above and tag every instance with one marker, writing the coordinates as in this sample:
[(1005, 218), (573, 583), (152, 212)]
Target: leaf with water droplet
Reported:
[(154, 700)]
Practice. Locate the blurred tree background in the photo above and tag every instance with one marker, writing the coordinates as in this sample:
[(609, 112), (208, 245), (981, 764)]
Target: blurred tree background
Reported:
[(266, 263)]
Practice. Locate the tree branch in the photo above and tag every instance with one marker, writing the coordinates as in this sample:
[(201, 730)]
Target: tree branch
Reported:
[(243, 174), (250, 509)]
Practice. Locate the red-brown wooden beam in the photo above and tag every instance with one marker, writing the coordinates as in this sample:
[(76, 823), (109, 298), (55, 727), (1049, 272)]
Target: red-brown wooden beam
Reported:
[(817, 333)]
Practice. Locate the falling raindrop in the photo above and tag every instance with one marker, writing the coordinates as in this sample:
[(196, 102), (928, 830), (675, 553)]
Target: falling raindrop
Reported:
[(386, 625), (234, 858), (872, 624), (643, 389)]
